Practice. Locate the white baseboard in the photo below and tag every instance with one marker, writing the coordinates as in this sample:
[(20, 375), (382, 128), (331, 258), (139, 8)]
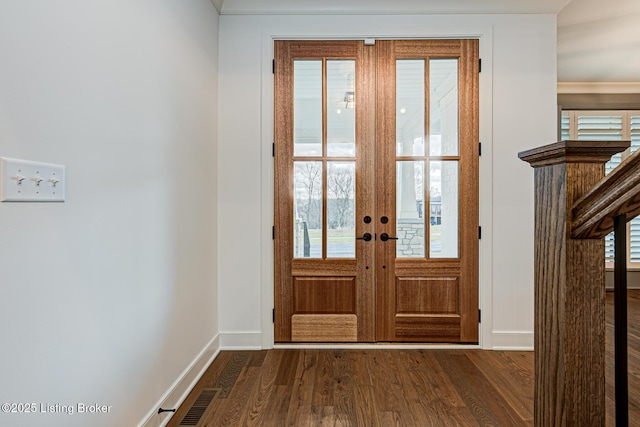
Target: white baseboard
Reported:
[(251, 340), (181, 388), (385, 346), (512, 340), (633, 286), (633, 279)]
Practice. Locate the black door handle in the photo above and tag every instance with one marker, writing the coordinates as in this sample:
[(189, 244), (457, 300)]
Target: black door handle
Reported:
[(384, 237), (366, 237)]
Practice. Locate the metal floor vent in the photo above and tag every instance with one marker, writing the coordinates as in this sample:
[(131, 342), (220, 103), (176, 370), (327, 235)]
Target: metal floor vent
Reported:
[(199, 408)]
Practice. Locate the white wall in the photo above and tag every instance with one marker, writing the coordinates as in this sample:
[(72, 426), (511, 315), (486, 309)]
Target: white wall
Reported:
[(524, 117), (109, 297), (518, 112)]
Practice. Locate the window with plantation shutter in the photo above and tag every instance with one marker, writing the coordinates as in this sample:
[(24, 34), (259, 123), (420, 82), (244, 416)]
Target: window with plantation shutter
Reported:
[(634, 240), (603, 128), (634, 225), (634, 133), (608, 126), (565, 127), (599, 127)]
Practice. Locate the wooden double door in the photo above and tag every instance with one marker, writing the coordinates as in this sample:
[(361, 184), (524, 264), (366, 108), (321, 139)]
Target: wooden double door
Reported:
[(376, 191)]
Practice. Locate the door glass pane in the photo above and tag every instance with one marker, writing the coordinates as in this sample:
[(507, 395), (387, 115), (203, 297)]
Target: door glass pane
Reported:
[(410, 223), (443, 107), (307, 108), (341, 209), (410, 107), (341, 116), (307, 210), (443, 234)]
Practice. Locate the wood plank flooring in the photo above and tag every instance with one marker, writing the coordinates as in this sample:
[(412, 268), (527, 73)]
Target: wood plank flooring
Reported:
[(633, 329), (310, 387)]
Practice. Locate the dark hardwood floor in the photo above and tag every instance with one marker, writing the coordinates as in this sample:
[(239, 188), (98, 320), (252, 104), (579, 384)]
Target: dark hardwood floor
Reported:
[(389, 387)]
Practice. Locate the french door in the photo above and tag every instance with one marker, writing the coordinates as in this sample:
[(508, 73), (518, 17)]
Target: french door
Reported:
[(376, 191)]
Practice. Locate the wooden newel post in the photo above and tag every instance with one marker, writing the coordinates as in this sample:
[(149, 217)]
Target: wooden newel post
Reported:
[(569, 287)]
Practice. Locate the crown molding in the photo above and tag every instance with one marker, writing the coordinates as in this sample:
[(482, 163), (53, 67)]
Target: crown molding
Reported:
[(218, 5), (387, 7), (388, 12), (598, 87)]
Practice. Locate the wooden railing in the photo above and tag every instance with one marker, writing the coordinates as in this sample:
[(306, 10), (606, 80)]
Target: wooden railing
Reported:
[(617, 194), (575, 207)]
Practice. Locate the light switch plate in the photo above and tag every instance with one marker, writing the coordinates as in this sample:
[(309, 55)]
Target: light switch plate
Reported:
[(27, 181)]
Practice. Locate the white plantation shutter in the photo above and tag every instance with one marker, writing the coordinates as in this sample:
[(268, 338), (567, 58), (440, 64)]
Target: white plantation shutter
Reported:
[(609, 248), (634, 226), (612, 164), (600, 127), (603, 128), (634, 124), (634, 240), (593, 125), (565, 126)]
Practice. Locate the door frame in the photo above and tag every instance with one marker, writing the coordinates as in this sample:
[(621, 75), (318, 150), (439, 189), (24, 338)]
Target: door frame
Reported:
[(265, 338)]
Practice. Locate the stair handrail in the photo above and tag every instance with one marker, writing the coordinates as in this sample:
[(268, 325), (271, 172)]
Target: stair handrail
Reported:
[(618, 193)]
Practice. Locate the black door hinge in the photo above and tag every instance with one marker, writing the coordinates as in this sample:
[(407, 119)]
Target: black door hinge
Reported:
[(479, 148), (273, 232), (273, 315), (479, 65), (273, 66), (273, 150), (479, 316), (479, 232)]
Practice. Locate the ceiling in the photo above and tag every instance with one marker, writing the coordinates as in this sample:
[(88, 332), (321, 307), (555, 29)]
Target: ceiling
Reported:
[(598, 41)]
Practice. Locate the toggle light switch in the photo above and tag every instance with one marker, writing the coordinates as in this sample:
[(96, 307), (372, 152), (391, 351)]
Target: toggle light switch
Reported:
[(27, 181)]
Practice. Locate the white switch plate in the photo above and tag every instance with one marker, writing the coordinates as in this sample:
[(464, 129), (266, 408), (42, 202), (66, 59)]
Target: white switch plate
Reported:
[(26, 181)]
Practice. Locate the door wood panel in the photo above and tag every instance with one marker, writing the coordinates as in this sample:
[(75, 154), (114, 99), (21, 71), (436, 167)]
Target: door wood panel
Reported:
[(428, 295), (324, 295)]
